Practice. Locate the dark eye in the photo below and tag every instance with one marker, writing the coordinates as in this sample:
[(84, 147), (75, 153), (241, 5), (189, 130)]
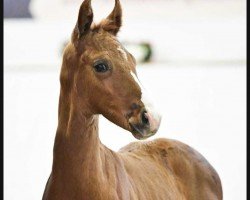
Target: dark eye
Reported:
[(101, 67)]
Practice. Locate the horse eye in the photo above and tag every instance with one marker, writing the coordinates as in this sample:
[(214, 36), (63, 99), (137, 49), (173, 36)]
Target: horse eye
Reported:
[(101, 67)]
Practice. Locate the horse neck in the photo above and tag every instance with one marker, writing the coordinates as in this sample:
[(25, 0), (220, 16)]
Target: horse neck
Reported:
[(80, 162), (77, 145)]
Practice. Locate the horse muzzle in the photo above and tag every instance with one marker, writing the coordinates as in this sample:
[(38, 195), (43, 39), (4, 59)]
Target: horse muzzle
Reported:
[(145, 124)]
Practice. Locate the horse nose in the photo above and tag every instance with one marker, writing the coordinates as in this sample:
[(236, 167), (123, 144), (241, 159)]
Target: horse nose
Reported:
[(152, 120), (144, 122)]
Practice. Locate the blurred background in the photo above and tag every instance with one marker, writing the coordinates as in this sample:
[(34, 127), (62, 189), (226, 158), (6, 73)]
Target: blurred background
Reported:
[(191, 57)]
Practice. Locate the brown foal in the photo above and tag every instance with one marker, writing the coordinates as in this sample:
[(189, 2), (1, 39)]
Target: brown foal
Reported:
[(98, 76)]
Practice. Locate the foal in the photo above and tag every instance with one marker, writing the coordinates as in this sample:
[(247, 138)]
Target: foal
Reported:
[(98, 76)]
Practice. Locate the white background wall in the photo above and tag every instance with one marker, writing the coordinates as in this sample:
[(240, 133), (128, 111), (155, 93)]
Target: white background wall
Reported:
[(197, 78)]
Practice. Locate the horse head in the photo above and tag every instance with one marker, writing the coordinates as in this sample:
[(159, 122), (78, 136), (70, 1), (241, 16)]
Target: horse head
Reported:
[(100, 74)]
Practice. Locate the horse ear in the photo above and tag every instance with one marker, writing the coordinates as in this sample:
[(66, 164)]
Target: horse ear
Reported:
[(113, 22), (85, 18)]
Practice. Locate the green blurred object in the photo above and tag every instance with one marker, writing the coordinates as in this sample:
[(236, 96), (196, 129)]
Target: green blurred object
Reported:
[(141, 51)]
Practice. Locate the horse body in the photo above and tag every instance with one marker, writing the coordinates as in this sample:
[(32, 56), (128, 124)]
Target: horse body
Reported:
[(98, 76), (161, 169)]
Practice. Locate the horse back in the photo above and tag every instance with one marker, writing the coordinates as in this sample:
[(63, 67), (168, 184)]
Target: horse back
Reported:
[(191, 174)]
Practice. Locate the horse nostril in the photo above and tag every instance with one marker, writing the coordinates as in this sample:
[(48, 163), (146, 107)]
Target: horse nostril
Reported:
[(144, 118)]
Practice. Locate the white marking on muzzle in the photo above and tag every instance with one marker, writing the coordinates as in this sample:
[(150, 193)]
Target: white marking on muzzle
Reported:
[(154, 115)]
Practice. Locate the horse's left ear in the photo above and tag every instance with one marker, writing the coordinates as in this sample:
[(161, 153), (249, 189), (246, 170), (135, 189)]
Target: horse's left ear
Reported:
[(113, 22)]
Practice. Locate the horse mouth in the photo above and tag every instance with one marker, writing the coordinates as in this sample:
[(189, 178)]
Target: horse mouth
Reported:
[(141, 132)]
